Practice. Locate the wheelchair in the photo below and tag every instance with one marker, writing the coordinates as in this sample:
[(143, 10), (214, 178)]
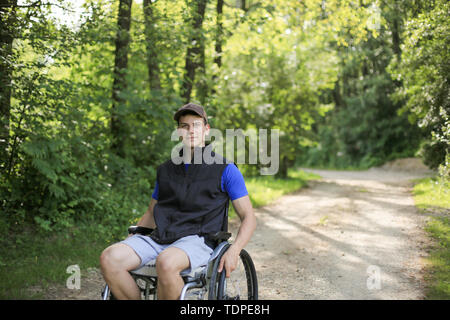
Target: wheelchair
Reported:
[(204, 282)]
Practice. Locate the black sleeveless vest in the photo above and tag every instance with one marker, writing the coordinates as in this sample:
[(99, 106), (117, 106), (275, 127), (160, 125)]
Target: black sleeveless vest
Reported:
[(190, 202)]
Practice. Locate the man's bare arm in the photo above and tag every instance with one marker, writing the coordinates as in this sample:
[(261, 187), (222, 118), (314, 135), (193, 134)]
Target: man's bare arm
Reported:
[(147, 219), (244, 209)]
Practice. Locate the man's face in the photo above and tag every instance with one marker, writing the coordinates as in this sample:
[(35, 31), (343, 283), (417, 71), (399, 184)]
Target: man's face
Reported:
[(193, 130)]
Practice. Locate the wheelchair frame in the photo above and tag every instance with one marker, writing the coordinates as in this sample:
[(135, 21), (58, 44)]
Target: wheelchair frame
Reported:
[(206, 278)]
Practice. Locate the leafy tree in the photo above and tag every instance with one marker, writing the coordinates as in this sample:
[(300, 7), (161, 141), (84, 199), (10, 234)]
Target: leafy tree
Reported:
[(58, 162), (424, 74), (8, 25), (271, 85), (364, 129)]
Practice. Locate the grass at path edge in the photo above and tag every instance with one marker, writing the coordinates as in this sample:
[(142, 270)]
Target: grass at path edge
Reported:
[(432, 197)]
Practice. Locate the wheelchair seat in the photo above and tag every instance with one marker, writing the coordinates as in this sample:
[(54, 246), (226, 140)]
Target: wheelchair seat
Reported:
[(149, 270)]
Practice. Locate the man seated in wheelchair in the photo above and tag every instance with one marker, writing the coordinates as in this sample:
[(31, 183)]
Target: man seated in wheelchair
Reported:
[(189, 203)]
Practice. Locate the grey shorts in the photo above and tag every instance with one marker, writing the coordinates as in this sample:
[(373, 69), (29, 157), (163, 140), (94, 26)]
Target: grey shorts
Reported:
[(147, 249)]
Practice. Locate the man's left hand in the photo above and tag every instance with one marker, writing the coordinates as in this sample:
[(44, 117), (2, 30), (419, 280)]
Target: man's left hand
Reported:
[(229, 260)]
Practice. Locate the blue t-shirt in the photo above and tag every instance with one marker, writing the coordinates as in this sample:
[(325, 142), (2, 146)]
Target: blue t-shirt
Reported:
[(232, 182)]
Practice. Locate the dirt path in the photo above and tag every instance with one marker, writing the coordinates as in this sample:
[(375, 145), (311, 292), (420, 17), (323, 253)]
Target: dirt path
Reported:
[(330, 241)]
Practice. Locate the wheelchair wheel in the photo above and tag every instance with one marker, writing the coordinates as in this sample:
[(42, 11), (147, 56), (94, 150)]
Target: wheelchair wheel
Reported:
[(242, 283)]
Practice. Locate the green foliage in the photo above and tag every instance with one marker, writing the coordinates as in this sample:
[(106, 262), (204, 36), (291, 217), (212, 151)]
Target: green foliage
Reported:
[(263, 190), (62, 183), (424, 72), (276, 84), (59, 172), (31, 262), (364, 129), (432, 196), (439, 269)]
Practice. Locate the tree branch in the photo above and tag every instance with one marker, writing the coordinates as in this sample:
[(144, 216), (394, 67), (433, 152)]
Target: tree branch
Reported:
[(37, 4)]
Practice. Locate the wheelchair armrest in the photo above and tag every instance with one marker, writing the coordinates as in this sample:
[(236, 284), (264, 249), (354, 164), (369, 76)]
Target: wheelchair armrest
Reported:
[(141, 230), (219, 236)]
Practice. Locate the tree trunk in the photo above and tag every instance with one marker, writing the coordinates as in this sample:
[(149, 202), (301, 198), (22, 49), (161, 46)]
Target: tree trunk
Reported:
[(218, 43), (283, 168), (396, 38), (396, 26), (337, 97), (219, 34), (119, 84), (195, 55), (242, 5), (152, 56), (7, 23)]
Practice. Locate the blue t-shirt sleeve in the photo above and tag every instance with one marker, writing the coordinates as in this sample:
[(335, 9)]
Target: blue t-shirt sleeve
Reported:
[(233, 182), (155, 192)]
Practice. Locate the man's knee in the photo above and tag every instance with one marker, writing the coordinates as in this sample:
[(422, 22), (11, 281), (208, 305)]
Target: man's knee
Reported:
[(118, 257), (164, 264), (109, 258), (171, 262)]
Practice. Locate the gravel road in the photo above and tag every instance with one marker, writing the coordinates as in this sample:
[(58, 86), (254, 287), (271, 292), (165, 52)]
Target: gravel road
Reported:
[(350, 235)]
